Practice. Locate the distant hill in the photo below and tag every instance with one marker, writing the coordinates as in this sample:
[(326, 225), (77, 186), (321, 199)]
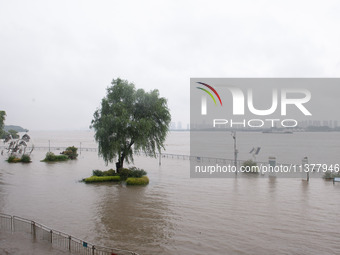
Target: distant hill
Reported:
[(16, 128)]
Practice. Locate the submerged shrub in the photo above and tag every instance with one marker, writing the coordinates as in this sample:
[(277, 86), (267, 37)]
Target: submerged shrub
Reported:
[(51, 157), (12, 159), (25, 158), (136, 172), (137, 181), (124, 173), (250, 166), (109, 172), (330, 175), (97, 173), (102, 179), (71, 152), (131, 172)]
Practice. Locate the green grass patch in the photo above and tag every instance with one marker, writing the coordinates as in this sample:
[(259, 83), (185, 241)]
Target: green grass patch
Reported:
[(144, 180), (93, 179)]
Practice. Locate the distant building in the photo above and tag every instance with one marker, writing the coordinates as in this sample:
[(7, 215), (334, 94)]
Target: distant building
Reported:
[(173, 125), (179, 125), (303, 123), (316, 123), (335, 123)]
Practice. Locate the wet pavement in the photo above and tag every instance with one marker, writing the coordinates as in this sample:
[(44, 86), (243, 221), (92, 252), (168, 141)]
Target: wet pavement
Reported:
[(23, 244)]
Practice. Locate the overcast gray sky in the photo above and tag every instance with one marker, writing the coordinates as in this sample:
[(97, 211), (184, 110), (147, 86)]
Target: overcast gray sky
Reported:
[(58, 57)]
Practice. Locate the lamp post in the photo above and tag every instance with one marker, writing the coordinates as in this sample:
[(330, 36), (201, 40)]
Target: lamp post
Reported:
[(304, 163), (233, 134)]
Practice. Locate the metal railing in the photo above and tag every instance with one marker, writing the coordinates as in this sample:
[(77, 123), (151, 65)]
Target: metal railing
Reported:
[(166, 155), (56, 238)]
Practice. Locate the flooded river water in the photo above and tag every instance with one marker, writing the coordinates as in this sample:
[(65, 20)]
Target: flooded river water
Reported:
[(175, 214)]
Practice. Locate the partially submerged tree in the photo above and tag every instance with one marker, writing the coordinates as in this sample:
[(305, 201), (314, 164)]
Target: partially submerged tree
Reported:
[(128, 120), (17, 147), (2, 121)]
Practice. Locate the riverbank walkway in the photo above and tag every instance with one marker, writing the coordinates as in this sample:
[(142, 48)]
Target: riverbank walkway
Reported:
[(22, 236), (21, 244)]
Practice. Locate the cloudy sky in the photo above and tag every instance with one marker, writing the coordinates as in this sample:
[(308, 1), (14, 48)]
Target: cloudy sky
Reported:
[(58, 57)]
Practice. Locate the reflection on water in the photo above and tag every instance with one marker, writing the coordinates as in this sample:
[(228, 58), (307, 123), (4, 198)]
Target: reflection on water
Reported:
[(134, 214)]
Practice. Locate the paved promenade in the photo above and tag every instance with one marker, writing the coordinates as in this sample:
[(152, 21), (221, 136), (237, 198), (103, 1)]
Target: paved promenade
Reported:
[(22, 244)]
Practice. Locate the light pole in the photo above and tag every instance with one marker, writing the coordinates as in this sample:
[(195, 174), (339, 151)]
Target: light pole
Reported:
[(304, 163), (233, 134)]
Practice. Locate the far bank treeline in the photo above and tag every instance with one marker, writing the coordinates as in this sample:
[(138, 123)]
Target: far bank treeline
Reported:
[(6, 130)]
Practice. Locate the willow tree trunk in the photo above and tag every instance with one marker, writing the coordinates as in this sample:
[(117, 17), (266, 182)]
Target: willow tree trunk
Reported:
[(120, 163)]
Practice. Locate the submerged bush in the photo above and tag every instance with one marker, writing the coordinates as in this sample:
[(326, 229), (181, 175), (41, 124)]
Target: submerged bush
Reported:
[(110, 172), (132, 175), (330, 175), (102, 179), (25, 158), (136, 172), (250, 166), (124, 173), (131, 172), (51, 157), (13, 159), (97, 173), (137, 181), (71, 152)]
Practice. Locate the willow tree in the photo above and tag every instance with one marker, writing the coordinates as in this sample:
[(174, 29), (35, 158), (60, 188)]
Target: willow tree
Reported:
[(130, 120)]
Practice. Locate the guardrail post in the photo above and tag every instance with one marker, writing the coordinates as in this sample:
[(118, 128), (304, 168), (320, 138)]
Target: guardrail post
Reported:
[(33, 229), (13, 224), (93, 248), (51, 232), (69, 242)]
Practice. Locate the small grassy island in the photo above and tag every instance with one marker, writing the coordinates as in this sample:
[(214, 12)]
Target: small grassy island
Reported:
[(69, 153), (131, 176), (23, 159)]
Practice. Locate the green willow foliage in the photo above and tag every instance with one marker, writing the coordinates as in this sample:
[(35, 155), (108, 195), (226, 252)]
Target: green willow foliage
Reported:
[(130, 120), (2, 121)]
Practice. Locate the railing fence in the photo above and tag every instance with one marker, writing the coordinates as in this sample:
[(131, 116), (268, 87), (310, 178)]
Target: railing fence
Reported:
[(57, 239), (164, 155)]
